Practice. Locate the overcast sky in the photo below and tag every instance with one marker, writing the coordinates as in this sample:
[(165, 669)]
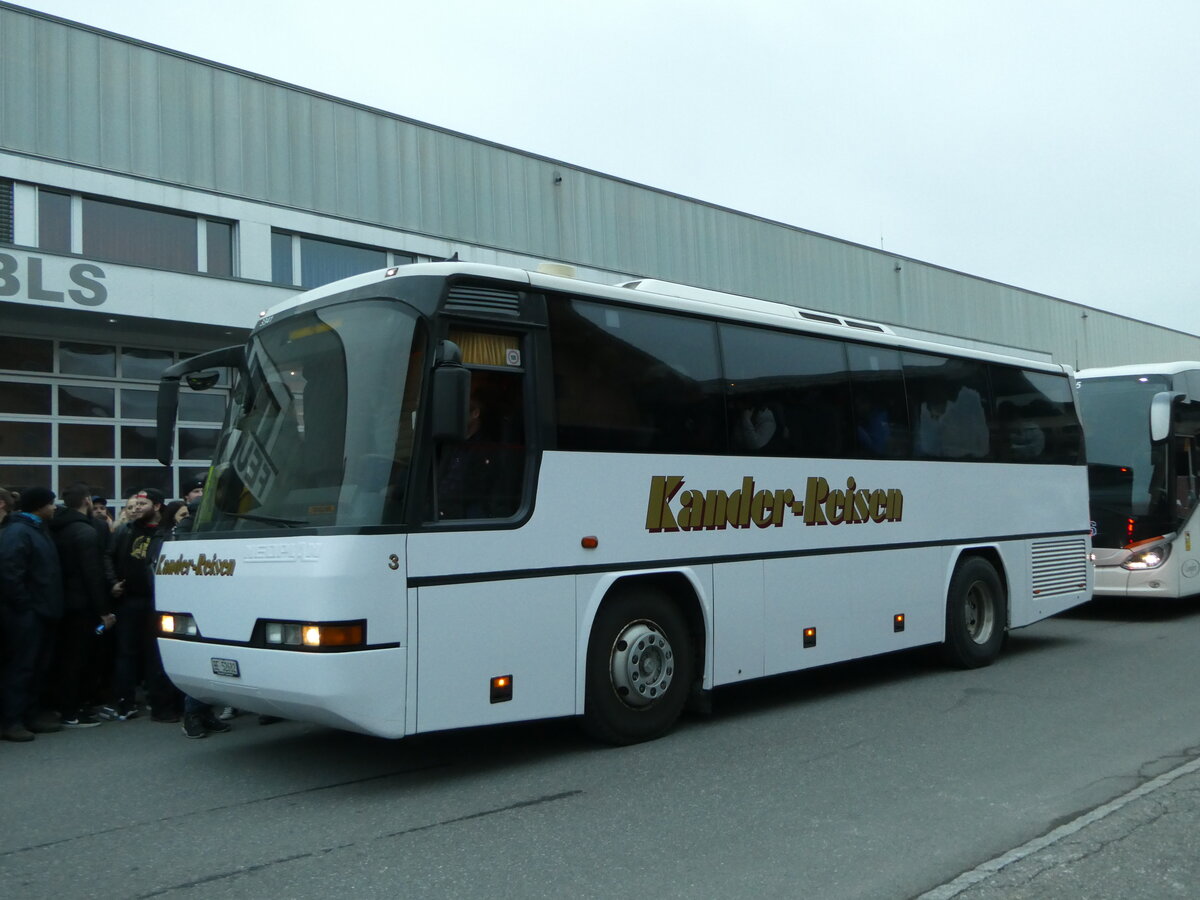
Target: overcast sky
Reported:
[(1048, 144)]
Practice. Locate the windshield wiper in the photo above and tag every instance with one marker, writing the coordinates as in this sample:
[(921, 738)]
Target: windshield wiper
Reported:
[(270, 520)]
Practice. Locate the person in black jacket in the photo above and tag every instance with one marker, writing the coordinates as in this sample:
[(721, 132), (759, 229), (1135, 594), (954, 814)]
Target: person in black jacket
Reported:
[(31, 601), (131, 557), (86, 604)]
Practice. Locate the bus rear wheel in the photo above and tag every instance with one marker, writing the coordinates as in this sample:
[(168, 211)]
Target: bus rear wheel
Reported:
[(976, 615), (639, 667)]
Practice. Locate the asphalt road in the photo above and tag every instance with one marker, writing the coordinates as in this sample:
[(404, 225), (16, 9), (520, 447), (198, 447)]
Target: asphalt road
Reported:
[(886, 778)]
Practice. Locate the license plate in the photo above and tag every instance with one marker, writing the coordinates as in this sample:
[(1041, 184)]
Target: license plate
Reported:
[(226, 667)]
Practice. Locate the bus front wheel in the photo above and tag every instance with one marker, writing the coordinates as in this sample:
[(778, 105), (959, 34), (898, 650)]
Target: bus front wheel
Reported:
[(639, 667), (976, 615)]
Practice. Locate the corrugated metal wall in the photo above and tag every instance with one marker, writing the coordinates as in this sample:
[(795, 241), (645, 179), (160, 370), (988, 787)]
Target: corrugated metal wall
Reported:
[(74, 94)]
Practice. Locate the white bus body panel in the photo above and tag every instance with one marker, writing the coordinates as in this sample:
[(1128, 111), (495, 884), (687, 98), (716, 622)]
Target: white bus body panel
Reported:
[(320, 579), (520, 601)]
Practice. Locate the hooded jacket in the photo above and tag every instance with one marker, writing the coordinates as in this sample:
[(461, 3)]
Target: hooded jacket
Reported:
[(131, 557), (85, 587), (30, 577)]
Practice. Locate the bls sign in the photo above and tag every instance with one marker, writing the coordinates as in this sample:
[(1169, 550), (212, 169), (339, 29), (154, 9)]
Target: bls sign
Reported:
[(82, 283)]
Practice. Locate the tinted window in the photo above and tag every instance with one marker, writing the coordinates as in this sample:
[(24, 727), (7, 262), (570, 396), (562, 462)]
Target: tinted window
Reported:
[(54, 221), (220, 247), (97, 402), (137, 235), (281, 257), (789, 394), (87, 359), (881, 428), (1035, 417), (949, 407), (632, 380), (324, 261), (25, 399)]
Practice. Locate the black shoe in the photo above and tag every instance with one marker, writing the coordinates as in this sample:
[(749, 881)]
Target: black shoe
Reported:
[(18, 733), (45, 726), (193, 727), (269, 720), (169, 716), (212, 724), (80, 720)]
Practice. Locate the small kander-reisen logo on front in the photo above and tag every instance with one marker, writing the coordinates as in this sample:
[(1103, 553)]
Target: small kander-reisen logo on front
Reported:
[(671, 508), (202, 565)]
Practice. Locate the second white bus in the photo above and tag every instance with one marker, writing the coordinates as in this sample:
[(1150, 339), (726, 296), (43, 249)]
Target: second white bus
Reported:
[(1141, 424)]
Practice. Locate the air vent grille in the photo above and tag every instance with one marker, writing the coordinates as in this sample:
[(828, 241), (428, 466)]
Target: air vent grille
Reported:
[(6, 211), (1059, 566), (483, 301), (865, 326), (828, 320)]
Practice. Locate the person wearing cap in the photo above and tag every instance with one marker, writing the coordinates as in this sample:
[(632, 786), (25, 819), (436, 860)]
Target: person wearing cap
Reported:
[(31, 602), (193, 491)]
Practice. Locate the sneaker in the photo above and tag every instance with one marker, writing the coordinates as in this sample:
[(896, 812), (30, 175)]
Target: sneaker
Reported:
[(125, 712), (108, 713), (193, 726), (227, 713), (212, 724), (17, 733), (80, 720)]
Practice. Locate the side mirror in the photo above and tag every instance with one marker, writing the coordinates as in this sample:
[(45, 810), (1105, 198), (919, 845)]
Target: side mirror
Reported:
[(202, 381), (193, 370), (451, 395), (1162, 408)]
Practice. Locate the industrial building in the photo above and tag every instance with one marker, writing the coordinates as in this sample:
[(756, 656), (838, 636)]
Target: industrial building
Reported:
[(152, 203)]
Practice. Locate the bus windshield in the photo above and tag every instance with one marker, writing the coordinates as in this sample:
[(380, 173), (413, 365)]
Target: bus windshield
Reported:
[(1127, 474), (320, 427)]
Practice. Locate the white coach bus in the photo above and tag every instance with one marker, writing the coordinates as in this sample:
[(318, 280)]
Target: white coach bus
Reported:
[(449, 495), (1141, 423)]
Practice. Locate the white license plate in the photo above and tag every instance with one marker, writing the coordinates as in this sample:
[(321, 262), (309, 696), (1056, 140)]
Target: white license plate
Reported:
[(226, 667)]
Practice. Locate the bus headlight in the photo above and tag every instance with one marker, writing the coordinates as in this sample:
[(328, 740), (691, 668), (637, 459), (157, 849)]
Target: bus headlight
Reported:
[(314, 635), (1148, 558), (177, 625)]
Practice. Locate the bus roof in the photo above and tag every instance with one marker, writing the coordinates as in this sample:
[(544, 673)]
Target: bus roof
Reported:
[(1153, 368), (655, 294)]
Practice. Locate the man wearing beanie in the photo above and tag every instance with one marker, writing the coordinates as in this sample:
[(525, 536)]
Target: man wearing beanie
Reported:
[(31, 602)]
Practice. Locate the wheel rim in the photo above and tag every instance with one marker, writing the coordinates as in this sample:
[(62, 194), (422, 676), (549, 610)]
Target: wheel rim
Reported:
[(642, 664), (979, 612)]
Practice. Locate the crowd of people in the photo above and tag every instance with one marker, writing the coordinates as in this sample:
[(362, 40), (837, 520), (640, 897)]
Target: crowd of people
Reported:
[(77, 627)]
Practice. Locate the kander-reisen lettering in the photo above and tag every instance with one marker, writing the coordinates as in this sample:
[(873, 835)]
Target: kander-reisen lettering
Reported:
[(203, 565), (672, 508)]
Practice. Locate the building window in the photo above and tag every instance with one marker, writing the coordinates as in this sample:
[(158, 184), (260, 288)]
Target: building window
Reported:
[(73, 411), (137, 235), (323, 261), (54, 221)]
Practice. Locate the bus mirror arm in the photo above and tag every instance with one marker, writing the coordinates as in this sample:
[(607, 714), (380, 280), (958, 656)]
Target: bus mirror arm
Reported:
[(168, 391), (1162, 409), (451, 395)]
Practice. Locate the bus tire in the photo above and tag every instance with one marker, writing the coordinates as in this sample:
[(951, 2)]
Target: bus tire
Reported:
[(976, 615), (639, 667)]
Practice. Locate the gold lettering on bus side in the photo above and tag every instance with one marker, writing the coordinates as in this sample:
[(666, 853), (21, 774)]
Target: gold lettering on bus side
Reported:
[(663, 489), (203, 565), (716, 506), (878, 506), (762, 508), (671, 508), (783, 502), (815, 495), (835, 507)]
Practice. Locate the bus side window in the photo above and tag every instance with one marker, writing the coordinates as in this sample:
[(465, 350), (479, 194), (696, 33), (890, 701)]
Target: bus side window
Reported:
[(879, 403), (483, 476)]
